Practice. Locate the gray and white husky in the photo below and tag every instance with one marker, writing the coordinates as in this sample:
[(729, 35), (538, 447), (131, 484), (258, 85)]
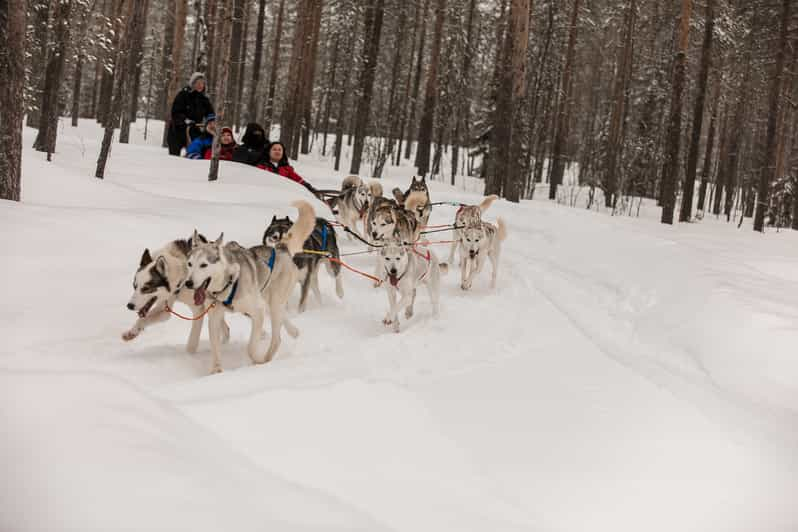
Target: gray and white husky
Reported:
[(404, 269), (479, 243), (323, 240), (352, 204), (468, 216), (159, 282), (249, 281)]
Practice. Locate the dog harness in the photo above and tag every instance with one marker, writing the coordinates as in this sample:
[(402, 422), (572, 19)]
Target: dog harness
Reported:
[(270, 262), (229, 301)]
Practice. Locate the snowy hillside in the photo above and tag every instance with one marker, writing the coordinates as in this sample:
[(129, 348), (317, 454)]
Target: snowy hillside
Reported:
[(625, 375)]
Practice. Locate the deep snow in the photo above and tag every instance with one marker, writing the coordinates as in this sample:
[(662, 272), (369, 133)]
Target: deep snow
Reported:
[(624, 376)]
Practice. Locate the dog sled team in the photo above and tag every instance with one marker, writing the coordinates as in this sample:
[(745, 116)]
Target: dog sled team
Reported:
[(216, 277)]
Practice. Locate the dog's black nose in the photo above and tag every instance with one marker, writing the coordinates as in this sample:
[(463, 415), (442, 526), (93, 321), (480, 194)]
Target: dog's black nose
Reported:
[(131, 306), (374, 235), (393, 271), (189, 284)]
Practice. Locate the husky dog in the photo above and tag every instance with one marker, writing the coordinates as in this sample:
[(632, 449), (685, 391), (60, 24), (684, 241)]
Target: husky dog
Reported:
[(468, 216), (352, 204), (248, 281), (418, 203), (389, 220), (480, 242), (404, 268), (322, 238), (416, 185), (158, 283)]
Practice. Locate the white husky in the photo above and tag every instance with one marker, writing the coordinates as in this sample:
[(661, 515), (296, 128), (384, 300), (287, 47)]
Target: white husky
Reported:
[(404, 268), (248, 281), (480, 242), (158, 284)]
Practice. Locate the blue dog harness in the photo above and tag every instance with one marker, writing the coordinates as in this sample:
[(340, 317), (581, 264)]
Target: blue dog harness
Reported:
[(324, 236), (229, 301)]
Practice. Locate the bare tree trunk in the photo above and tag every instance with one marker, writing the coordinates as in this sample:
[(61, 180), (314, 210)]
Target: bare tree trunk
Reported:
[(236, 61), (137, 30), (461, 125), (38, 49), (181, 8), (278, 30), (615, 146), (224, 41), (431, 93), (404, 108), (12, 104), (563, 110), (769, 171), (670, 171), (330, 92), (80, 57), (370, 55), (688, 186), (125, 34), (702, 190), (308, 75), (344, 93), (166, 57), (53, 76), (254, 104), (417, 80)]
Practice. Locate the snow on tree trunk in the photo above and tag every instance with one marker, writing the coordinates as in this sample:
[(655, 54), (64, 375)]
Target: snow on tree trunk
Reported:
[(12, 105)]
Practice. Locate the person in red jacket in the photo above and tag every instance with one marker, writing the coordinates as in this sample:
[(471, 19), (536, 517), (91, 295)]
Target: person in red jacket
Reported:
[(227, 144), (277, 163)]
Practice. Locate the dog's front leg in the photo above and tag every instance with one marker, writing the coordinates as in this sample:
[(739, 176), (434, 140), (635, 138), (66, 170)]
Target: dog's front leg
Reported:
[(391, 305), (405, 300), (143, 323), (196, 329), (409, 309), (215, 326), (464, 277)]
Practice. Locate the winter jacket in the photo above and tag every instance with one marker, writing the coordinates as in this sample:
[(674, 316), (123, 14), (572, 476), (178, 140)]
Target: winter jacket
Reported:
[(198, 146), (253, 149), (190, 105), (225, 152), (283, 169)]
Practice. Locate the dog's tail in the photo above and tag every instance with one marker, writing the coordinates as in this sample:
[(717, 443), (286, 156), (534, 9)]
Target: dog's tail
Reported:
[(398, 195), (376, 188), (350, 181), (487, 202), (502, 232), (294, 238)]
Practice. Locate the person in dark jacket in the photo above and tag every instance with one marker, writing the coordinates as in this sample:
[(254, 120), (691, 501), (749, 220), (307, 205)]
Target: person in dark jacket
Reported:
[(254, 146), (189, 108), (277, 163), (203, 142)]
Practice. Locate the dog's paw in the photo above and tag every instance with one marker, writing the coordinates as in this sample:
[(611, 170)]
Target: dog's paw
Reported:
[(129, 335), (465, 285), (409, 312), (377, 284), (396, 326), (216, 368), (387, 321)]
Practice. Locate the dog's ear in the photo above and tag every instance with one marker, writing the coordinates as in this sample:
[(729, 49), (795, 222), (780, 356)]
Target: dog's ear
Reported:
[(202, 238), (195, 240), (160, 265), (219, 240), (145, 258), (274, 218)]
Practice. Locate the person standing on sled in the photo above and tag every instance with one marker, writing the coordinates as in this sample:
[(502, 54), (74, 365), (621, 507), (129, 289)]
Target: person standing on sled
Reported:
[(189, 108), (277, 163)]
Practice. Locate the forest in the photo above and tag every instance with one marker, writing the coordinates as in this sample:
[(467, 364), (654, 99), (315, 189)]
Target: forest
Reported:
[(690, 103)]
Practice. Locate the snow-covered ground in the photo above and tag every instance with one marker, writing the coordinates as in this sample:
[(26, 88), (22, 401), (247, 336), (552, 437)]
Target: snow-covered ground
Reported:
[(624, 376)]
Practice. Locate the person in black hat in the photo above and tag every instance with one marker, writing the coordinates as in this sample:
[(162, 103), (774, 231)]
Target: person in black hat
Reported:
[(254, 146), (190, 107)]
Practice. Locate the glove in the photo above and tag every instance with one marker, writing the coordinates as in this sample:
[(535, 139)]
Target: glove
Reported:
[(188, 121), (310, 188)]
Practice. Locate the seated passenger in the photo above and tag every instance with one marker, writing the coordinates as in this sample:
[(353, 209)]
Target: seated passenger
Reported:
[(253, 147), (198, 146), (227, 144), (277, 163)]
